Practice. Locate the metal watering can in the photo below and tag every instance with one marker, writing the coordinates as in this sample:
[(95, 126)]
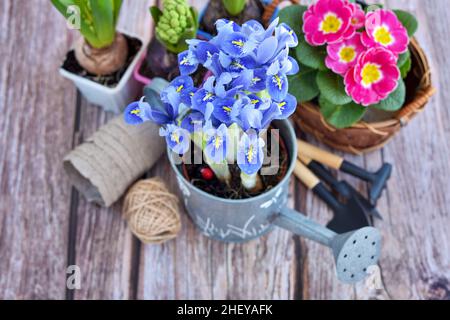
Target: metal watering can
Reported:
[(244, 220)]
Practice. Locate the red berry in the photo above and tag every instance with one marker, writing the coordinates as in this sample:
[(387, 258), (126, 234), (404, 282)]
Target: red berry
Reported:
[(207, 173)]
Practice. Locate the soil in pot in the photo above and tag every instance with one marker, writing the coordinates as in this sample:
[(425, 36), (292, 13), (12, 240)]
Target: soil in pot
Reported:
[(192, 172), (112, 80), (215, 10)]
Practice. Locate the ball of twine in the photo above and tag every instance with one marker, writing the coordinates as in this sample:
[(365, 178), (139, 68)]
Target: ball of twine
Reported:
[(152, 211)]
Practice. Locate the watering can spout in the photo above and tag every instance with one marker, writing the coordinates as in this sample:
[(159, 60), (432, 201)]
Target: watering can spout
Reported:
[(354, 252)]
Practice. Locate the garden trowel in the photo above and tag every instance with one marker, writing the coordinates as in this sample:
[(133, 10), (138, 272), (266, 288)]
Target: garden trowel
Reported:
[(377, 180), (343, 188), (347, 216)]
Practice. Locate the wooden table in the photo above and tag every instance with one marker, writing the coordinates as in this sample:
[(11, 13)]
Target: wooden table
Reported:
[(45, 225)]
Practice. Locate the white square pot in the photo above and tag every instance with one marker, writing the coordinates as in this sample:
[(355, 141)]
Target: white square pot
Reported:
[(110, 99)]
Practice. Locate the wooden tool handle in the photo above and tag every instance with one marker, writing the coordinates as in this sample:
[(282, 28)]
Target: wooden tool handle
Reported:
[(305, 175), (322, 156), (304, 159)]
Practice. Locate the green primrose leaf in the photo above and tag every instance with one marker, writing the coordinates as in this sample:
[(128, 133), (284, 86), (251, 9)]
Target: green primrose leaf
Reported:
[(331, 86), (341, 116), (408, 20), (395, 100), (404, 63), (303, 85), (293, 17), (313, 57)]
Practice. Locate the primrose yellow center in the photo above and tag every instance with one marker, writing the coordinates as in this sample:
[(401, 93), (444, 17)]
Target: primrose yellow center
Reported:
[(347, 54), (238, 43), (250, 154), (331, 23), (370, 74), (254, 101), (227, 109), (217, 142), (383, 36), (175, 137), (180, 88), (278, 82), (136, 112)]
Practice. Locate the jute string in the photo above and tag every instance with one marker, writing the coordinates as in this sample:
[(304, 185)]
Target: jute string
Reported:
[(152, 211)]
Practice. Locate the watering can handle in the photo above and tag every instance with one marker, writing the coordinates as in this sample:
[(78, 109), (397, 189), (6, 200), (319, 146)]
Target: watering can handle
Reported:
[(299, 224)]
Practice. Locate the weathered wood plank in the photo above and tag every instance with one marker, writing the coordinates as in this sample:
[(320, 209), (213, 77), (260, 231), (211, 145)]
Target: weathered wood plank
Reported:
[(36, 128), (104, 248), (416, 253)]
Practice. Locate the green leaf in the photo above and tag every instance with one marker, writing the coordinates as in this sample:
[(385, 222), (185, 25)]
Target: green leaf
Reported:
[(313, 57), (406, 68), (195, 20), (103, 22), (85, 17), (303, 85), (341, 116), (156, 14), (331, 86), (408, 20), (395, 100), (403, 58), (404, 63), (293, 17), (117, 7)]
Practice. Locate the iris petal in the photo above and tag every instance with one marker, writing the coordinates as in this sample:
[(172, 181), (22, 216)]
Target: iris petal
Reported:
[(131, 114), (187, 63), (277, 86)]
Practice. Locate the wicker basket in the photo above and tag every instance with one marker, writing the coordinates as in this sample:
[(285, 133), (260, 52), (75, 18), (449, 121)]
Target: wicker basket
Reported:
[(365, 137)]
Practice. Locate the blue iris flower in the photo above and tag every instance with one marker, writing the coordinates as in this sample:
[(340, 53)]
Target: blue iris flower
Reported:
[(204, 51), (217, 141), (277, 86), (286, 107), (180, 90), (250, 153), (226, 110), (237, 44), (251, 118), (193, 121), (178, 139), (249, 87), (286, 35), (187, 62), (132, 114), (204, 96)]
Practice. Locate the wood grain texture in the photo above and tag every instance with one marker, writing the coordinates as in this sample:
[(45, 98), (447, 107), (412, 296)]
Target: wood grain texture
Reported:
[(104, 247), (416, 260), (45, 225), (36, 127)]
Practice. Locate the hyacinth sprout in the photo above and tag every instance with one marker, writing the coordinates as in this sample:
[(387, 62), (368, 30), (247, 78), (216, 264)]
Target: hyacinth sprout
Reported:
[(227, 115), (234, 7), (176, 23)]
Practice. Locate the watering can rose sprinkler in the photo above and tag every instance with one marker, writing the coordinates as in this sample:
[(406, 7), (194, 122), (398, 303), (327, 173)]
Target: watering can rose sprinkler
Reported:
[(227, 118)]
